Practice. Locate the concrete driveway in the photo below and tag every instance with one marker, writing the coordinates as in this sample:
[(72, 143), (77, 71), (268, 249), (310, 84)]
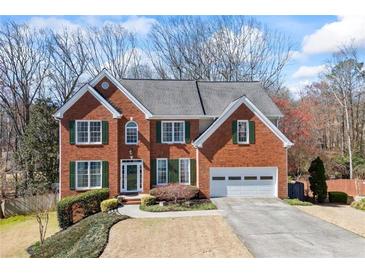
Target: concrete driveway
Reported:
[(271, 228)]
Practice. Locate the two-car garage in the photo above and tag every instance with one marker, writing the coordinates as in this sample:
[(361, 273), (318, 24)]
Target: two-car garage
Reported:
[(243, 181)]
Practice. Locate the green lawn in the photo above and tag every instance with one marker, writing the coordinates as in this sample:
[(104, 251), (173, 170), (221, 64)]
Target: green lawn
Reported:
[(179, 207), (19, 232), (85, 239), (297, 202)]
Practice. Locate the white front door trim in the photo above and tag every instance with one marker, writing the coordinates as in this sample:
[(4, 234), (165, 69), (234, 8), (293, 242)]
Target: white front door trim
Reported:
[(124, 163)]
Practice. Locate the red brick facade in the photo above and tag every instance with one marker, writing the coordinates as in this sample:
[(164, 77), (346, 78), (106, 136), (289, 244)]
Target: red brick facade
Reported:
[(217, 151)]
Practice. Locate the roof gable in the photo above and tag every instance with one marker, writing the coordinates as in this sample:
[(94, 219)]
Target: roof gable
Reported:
[(229, 110), (86, 88), (121, 88)]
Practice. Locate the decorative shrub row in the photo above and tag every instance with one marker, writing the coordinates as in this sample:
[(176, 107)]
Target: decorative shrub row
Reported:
[(82, 205), (109, 204), (174, 192), (359, 204), (337, 197), (148, 200)]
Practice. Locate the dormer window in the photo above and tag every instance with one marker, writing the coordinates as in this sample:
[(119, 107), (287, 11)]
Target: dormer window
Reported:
[(242, 132), (131, 133)]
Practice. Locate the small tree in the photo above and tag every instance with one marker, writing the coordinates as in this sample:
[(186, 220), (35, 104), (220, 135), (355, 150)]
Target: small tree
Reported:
[(317, 180)]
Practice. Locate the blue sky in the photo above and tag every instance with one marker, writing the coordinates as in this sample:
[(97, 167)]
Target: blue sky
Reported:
[(315, 38)]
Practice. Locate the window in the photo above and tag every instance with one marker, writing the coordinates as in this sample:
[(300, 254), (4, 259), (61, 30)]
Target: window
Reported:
[(184, 171), (266, 178), (88, 132), (250, 178), (242, 132), (173, 132), (88, 174), (161, 171), (234, 178), (131, 133), (218, 178)]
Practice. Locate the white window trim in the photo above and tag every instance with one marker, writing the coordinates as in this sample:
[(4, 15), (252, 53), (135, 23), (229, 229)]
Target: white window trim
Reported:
[(125, 133), (88, 175), (167, 171), (189, 171), (173, 132), (247, 132), (88, 132)]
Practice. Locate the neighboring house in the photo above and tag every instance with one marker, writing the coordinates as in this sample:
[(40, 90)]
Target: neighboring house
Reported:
[(133, 135)]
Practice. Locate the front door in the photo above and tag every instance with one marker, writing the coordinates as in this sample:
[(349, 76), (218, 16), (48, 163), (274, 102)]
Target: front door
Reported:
[(131, 175)]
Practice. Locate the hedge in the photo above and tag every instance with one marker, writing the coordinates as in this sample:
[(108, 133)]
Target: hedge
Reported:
[(148, 200), (88, 201), (337, 197)]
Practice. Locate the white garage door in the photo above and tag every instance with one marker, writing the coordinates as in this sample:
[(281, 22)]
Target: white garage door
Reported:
[(243, 181)]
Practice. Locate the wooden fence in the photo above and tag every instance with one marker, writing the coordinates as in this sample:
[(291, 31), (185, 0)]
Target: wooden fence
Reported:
[(28, 204), (353, 187)]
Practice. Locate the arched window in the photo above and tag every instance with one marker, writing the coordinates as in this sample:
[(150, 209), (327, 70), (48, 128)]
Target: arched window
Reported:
[(131, 133)]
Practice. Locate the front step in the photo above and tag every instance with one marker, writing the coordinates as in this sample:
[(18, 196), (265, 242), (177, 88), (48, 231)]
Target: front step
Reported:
[(129, 199)]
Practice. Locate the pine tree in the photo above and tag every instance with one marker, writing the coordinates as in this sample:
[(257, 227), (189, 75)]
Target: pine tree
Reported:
[(317, 180)]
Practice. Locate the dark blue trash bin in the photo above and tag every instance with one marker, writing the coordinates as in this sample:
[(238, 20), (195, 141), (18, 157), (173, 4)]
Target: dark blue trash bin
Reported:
[(296, 190)]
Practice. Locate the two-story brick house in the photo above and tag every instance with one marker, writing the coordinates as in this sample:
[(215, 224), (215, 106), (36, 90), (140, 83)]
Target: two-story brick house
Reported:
[(132, 135)]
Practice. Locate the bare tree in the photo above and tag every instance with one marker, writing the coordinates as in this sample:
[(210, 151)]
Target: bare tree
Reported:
[(111, 47), (346, 81), (68, 63), (221, 48), (24, 63)]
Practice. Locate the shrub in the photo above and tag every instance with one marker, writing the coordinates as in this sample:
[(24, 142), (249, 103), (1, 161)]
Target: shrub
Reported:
[(317, 180), (174, 192), (109, 204), (337, 197), (74, 208), (359, 204), (148, 200)]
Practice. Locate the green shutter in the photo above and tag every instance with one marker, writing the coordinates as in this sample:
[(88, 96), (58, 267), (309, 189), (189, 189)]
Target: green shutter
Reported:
[(193, 172), (158, 132), (153, 172), (71, 128), (187, 132), (105, 132), (173, 170), (234, 132), (105, 176), (252, 132), (72, 172)]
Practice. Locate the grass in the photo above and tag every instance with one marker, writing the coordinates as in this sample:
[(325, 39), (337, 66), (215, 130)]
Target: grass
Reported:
[(19, 232), (179, 207), (85, 239), (297, 202), (359, 204)]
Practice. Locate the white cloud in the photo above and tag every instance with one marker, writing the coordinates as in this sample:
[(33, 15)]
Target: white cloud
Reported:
[(308, 71), (54, 23), (348, 29), (297, 88), (139, 25)]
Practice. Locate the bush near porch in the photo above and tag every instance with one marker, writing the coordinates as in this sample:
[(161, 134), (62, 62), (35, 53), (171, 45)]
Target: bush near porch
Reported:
[(174, 192)]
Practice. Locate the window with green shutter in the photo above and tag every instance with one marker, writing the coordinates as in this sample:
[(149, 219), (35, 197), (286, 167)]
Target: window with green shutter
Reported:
[(187, 132), (71, 128), (234, 132), (105, 132), (158, 132), (252, 132), (105, 174), (153, 172), (72, 172), (193, 172)]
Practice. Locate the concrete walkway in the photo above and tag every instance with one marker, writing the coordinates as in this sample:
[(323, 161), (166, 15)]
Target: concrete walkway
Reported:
[(134, 212), (271, 228)]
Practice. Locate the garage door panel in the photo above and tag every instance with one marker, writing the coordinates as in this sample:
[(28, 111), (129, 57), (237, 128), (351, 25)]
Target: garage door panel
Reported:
[(245, 182)]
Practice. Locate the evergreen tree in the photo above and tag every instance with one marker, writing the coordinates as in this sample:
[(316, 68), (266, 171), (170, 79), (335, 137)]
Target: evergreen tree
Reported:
[(317, 180)]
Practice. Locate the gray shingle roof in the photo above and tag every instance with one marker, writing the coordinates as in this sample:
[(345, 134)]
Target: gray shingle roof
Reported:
[(174, 97)]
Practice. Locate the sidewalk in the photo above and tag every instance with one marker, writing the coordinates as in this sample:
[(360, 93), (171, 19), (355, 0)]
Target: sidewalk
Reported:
[(134, 212)]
